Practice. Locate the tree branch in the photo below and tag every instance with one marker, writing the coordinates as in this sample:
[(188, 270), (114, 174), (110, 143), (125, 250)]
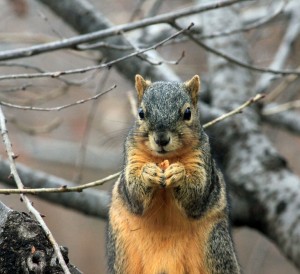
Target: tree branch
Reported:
[(235, 111), (58, 108), (61, 189), (234, 60), (24, 247), (291, 34), (36, 214), (79, 188), (254, 168), (62, 6), (90, 202), (108, 65)]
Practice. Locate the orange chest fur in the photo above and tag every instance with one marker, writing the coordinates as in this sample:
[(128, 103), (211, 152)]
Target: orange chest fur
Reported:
[(162, 240), (187, 157)]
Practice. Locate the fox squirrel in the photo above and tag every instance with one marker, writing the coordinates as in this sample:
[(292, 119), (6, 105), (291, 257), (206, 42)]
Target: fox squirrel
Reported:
[(168, 211)]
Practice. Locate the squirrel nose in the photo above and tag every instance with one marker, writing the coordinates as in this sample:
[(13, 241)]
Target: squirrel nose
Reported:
[(162, 139)]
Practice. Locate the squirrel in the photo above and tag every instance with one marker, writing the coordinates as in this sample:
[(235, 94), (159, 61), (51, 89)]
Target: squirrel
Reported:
[(168, 211)]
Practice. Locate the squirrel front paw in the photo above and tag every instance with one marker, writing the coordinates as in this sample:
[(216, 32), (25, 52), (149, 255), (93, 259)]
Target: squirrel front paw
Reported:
[(175, 175), (152, 175)]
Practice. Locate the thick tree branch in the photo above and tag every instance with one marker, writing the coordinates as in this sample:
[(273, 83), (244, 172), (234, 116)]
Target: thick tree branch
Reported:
[(90, 202), (87, 13), (24, 247), (108, 65), (280, 58), (254, 168)]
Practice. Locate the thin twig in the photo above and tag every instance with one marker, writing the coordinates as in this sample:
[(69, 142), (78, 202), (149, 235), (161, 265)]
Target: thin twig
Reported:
[(38, 69), (110, 177), (61, 189), (234, 60), (197, 34), (283, 52), (280, 108), (86, 69), (59, 107), (148, 58), (72, 42), (235, 111), (15, 175), (254, 25)]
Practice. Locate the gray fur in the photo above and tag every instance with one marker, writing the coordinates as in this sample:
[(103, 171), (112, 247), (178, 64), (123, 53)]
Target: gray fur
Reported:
[(165, 114), (221, 256), (163, 104)]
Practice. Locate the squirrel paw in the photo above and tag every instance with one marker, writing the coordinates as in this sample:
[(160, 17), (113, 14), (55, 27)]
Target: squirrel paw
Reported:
[(175, 175), (152, 175)]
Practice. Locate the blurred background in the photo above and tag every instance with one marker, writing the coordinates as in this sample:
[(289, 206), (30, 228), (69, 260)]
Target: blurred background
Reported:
[(85, 142)]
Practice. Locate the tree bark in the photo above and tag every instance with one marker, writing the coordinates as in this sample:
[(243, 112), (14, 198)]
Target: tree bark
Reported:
[(24, 247), (252, 165), (90, 202), (84, 18)]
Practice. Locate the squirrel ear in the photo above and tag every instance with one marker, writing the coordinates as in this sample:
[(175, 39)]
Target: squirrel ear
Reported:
[(140, 85), (193, 87)]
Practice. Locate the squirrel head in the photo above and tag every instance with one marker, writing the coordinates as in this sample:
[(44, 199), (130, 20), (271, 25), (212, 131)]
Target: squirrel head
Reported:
[(168, 114)]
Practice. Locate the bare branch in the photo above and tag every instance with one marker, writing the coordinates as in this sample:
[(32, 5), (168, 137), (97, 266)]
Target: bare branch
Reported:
[(62, 189), (150, 59), (86, 69), (233, 59), (71, 42), (37, 69), (110, 177), (253, 166), (256, 24), (291, 34), (82, 101), (91, 202), (235, 111), (14, 173)]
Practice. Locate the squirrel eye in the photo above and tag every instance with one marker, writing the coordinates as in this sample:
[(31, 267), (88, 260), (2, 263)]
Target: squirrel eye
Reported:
[(187, 114), (141, 113)]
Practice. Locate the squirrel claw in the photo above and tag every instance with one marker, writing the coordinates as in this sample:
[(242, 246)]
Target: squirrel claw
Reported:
[(175, 175), (152, 175), (163, 182)]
